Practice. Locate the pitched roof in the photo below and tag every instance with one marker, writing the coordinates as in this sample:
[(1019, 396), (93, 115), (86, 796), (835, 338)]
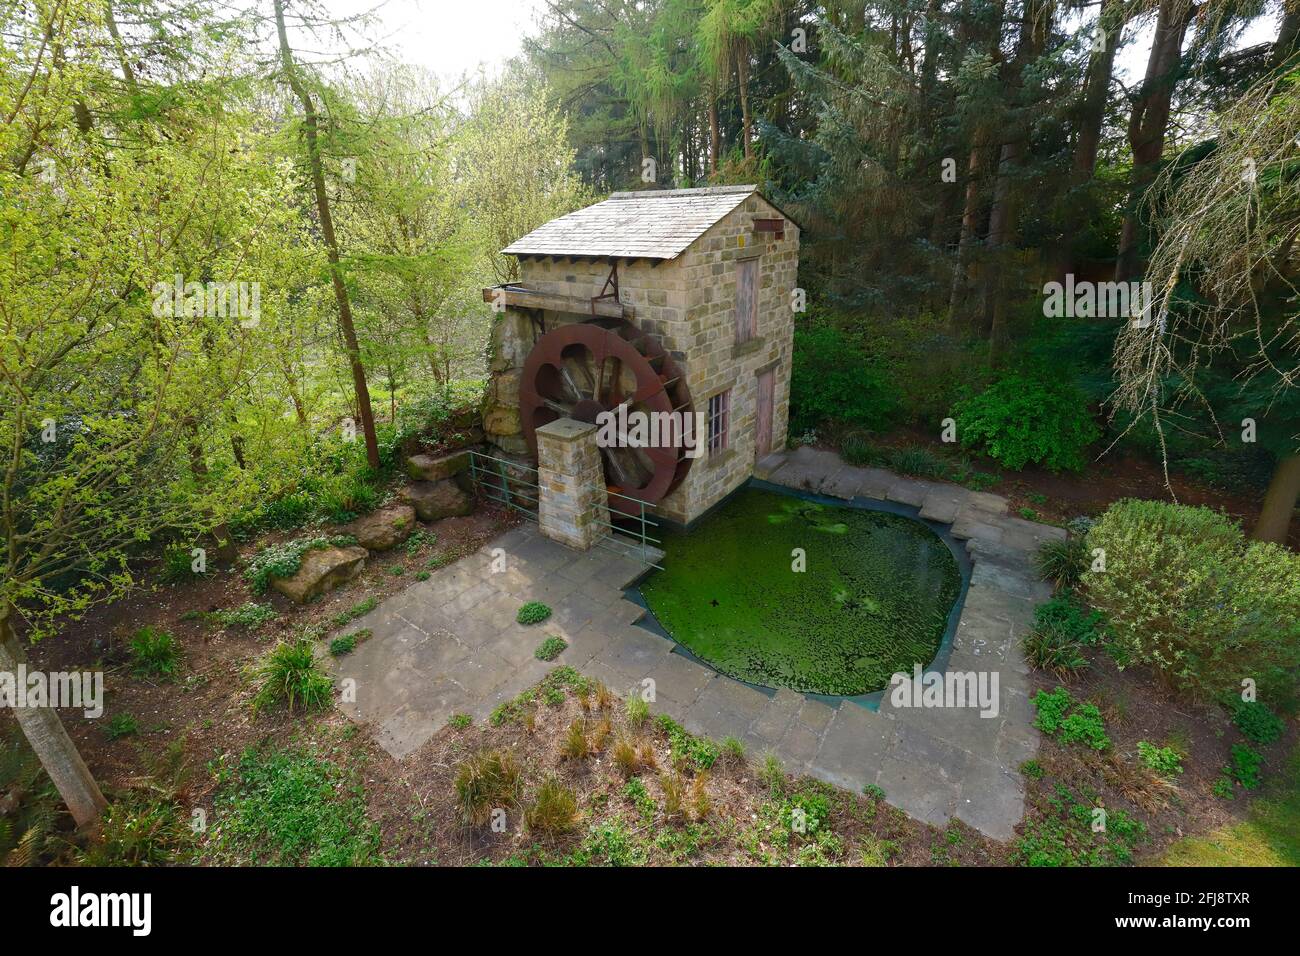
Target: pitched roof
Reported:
[(651, 224)]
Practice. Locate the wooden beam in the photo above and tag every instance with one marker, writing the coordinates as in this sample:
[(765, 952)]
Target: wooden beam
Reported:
[(528, 299)]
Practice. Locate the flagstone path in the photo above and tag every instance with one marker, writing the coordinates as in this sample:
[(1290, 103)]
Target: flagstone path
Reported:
[(451, 645)]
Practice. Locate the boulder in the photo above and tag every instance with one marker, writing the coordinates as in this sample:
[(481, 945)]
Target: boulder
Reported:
[(386, 528), (323, 570), (502, 420), (505, 387), (510, 446), (435, 468), (433, 500)]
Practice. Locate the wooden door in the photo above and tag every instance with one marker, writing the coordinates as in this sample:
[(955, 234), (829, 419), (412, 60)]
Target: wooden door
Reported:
[(766, 391)]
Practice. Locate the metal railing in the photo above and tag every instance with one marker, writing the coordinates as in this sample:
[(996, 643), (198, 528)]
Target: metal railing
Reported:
[(634, 512), (517, 486), (500, 481)]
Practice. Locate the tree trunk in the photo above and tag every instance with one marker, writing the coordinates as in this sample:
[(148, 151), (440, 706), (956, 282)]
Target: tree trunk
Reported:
[(1002, 228), (1148, 124), (715, 137), (1288, 36), (310, 128), (969, 224), (1035, 26), (1092, 117), (1279, 502), (742, 79), (48, 738)]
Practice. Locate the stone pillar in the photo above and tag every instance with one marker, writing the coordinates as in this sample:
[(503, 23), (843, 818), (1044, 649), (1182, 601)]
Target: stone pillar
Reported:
[(574, 505)]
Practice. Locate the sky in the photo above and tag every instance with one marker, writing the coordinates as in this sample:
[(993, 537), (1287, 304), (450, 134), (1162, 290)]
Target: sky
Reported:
[(451, 37)]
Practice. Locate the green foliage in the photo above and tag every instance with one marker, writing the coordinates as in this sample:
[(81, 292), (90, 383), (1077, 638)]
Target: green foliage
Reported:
[(1047, 649), (637, 710), (554, 810), (1062, 629), (248, 615), (292, 807), (289, 675), (1063, 562), (533, 612), (155, 653), (177, 565), (1059, 716), (142, 828), (1163, 760), (550, 648), (609, 843), (1062, 834), (701, 752), (487, 781), (636, 791), (121, 725), (348, 642), (28, 819), (1032, 769), (856, 448), (460, 721), (1065, 614), (833, 378), (917, 461), (1243, 768), (805, 813), (1027, 420), (773, 775), (1256, 722), (284, 560), (1184, 593), (360, 609)]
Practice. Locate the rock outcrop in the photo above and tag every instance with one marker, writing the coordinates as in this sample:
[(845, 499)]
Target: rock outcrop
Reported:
[(433, 500), (435, 468), (322, 570), (508, 348), (386, 528)]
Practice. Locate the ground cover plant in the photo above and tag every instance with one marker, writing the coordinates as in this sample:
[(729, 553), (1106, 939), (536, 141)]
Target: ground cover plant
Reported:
[(874, 600), (291, 807)]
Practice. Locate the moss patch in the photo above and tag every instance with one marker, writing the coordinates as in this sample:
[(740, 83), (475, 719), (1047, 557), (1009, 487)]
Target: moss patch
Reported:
[(874, 599)]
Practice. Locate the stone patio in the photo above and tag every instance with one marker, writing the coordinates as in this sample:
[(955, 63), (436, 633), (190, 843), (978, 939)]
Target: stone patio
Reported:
[(450, 645)]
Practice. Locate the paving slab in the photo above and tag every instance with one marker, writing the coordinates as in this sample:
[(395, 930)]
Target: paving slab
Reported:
[(679, 678), (634, 653), (451, 644)]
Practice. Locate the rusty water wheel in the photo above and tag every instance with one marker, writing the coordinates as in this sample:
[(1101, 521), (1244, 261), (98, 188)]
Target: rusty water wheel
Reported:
[(578, 371)]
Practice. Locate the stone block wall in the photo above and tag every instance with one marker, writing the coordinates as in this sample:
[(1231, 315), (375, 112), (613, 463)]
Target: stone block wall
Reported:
[(573, 506), (705, 340), (689, 303)]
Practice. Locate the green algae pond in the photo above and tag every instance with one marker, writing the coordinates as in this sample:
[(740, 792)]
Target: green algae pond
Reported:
[(874, 596)]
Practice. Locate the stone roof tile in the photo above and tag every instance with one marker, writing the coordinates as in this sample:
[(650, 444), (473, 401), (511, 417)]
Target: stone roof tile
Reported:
[(651, 224)]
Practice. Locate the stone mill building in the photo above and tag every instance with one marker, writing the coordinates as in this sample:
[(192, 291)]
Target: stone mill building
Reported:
[(662, 300)]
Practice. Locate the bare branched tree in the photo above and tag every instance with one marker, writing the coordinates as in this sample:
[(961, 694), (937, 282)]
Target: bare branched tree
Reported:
[(1224, 275)]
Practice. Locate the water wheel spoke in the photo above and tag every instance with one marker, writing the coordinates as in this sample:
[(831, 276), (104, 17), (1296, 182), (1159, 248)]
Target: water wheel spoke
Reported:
[(558, 406), (566, 376), (616, 464)]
